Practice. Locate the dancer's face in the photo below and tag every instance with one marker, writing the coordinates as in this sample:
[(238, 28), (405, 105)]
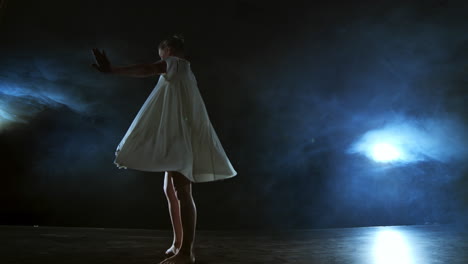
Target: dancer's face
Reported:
[(164, 53)]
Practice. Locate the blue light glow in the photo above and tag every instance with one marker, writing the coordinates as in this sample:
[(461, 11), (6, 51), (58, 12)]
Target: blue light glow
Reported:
[(18, 104), (409, 141)]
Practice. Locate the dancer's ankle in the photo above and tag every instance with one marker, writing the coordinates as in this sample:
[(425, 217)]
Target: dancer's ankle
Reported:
[(177, 244)]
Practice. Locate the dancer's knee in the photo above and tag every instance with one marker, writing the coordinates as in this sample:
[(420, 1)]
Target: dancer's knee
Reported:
[(181, 196), (168, 186), (182, 192), (182, 186)]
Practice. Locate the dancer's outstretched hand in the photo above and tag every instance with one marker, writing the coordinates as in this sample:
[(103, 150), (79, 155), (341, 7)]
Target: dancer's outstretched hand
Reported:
[(103, 64)]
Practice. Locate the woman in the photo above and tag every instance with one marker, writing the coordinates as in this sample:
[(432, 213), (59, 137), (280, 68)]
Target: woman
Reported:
[(173, 133)]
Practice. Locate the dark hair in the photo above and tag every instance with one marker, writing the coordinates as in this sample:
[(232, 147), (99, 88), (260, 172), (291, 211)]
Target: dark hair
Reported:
[(176, 42)]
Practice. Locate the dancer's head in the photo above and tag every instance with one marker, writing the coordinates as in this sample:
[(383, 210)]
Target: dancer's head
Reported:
[(173, 45)]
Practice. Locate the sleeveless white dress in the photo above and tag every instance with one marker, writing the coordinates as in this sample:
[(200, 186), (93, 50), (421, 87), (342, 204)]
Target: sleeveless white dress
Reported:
[(172, 131)]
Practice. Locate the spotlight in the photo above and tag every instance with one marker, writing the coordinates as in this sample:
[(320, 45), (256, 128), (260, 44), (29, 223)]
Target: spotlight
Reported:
[(384, 152)]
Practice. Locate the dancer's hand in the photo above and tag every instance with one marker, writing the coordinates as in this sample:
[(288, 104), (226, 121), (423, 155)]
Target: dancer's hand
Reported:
[(103, 64)]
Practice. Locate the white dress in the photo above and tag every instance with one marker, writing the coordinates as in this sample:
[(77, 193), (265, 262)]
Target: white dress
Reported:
[(172, 131)]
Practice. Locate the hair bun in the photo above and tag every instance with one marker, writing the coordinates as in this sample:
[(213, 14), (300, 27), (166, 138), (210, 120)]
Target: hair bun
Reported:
[(180, 37), (175, 41)]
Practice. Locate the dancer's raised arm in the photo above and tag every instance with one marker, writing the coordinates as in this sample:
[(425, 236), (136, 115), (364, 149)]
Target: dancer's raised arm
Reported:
[(141, 70), (136, 70)]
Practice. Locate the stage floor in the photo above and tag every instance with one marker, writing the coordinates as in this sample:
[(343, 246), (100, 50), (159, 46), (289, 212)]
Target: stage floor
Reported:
[(364, 245)]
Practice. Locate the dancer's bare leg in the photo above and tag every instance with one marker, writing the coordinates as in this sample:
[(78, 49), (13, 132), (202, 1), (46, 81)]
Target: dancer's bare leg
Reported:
[(174, 212), (188, 213)]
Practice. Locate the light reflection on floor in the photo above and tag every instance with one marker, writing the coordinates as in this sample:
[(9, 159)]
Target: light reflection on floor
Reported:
[(393, 246)]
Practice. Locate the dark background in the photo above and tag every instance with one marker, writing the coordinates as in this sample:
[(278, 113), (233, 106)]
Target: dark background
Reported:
[(295, 92)]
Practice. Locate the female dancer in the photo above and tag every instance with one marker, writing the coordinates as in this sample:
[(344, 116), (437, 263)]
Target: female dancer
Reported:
[(173, 133)]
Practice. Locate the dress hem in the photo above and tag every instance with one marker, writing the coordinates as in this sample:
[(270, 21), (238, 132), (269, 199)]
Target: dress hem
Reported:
[(205, 177)]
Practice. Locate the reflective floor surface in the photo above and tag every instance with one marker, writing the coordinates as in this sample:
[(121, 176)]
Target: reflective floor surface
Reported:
[(363, 245)]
